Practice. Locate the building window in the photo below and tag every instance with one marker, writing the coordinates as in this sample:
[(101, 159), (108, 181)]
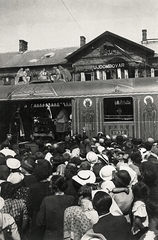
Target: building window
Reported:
[(87, 76), (118, 109)]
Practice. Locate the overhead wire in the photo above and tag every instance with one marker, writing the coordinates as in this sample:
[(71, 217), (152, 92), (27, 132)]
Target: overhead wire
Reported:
[(72, 16)]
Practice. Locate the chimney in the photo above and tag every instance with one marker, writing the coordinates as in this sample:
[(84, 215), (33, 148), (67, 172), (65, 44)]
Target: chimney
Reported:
[(144, 35), (23, 46), (82, 41)]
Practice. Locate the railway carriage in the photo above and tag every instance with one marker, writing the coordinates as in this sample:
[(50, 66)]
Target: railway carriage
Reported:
[(120, 106)]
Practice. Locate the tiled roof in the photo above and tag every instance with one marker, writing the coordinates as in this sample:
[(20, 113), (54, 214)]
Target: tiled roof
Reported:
[(35, 58)]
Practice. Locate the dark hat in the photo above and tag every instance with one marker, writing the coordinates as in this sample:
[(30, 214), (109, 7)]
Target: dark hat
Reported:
[(136, 141), (39, 155), (2, 160), (154, 149), (96, 169), (75, 160), (149, 171), (119, 139), (122, 177), (128, 144), (58, 158), (41, 173), (28, 165)]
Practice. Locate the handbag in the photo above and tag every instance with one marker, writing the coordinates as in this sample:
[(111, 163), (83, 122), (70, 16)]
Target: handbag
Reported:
[(7, 233)]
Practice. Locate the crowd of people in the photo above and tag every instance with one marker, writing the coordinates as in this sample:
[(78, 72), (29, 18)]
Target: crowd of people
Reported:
[(80, 189)]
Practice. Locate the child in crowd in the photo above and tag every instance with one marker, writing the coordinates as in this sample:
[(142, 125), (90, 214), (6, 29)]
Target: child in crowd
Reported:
[(139, 213)]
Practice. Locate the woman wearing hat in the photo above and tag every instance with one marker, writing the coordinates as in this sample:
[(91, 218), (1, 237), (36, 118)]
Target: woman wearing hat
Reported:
[(122, 197)]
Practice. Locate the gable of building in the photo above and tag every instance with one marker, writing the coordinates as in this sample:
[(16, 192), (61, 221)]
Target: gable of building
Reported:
[(108, 44)]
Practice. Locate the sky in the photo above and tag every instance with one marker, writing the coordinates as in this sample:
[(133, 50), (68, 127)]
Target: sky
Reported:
[(47, 24)]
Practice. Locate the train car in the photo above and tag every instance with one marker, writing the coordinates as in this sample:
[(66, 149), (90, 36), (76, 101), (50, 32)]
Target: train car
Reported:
[(122, 106)]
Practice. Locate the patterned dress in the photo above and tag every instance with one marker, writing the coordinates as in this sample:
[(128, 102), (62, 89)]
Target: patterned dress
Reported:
[(76, 223)]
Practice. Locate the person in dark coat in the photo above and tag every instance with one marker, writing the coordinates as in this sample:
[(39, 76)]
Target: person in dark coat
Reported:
[(111, 227), (37, 192), (51, 214)]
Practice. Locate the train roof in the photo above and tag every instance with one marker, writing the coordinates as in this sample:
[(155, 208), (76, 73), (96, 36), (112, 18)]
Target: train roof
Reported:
[(49, 90)]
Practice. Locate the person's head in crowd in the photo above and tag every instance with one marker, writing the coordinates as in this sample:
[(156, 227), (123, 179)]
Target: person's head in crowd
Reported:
[(94, 149), (41, 173), (83, 177), (5, 144), (7, 190), (85, 165), (152, 210), (85, 191), (148, 145), (27, 166), (102, 202), (75, 152), (107, 142), (2, 159), (140, 191), (150, 140), (99, 135), (15, 178), (136, 157), (75, 160), (92, 157), (13, 164), (4, 172), (149, 173), (101, 140), (96, 169), (100, 149), (106, 172), (39, 155), (136, 142), (128, 146), (70, 171), (67, 155), (121, 178), (154, 148), (58, 184), (119, 155), (119, 140), (109, 154)]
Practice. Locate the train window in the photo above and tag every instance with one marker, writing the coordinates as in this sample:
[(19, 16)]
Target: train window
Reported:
[(118, 109)]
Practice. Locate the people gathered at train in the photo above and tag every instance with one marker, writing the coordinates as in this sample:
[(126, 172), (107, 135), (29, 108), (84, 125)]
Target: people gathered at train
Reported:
[(80, 188)]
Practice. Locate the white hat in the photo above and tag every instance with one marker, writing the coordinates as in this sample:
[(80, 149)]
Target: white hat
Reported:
[(106, 172), (15, 177), (100, 149), (92, 157), (97, 144), (48, 144), (75, 152), (151, 140), (1, 203), (103, 157), (13, 163), (84, 176), (101, 140)]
